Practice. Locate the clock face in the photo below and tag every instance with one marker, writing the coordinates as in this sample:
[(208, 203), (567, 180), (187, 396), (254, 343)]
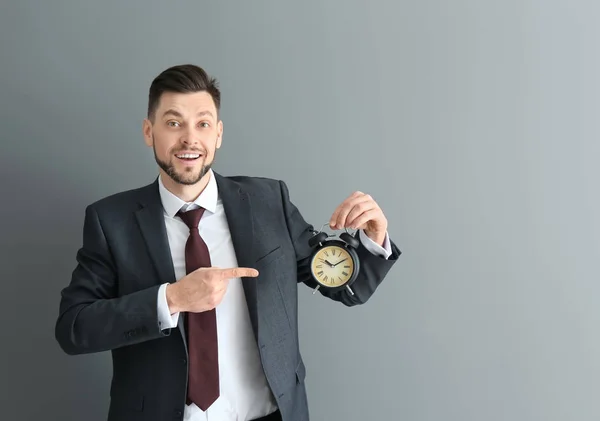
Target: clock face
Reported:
[(332, 266)]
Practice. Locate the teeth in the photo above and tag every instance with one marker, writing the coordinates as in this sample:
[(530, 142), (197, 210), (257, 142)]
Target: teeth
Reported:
[(188, 155)]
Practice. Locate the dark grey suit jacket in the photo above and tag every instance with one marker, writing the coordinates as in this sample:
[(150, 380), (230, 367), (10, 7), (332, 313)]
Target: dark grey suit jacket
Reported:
[(110, 303)]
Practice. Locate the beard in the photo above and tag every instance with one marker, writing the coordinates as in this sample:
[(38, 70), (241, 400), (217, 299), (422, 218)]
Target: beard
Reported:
[(187, 177)]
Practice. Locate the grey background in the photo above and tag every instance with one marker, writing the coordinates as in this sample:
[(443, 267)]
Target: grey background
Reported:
[(473, 124)]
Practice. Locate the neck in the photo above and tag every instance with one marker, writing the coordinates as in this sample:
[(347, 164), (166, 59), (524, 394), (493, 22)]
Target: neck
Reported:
[(187, 193)]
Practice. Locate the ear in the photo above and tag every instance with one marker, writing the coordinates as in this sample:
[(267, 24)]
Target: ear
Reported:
[(219, 133), (147, 131)]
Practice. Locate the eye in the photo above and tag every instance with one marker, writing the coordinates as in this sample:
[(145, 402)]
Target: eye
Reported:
[(172, 123), (204, 124)]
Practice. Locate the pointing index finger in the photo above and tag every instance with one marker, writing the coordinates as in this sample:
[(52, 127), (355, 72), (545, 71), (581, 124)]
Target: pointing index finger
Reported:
[(238, 273)]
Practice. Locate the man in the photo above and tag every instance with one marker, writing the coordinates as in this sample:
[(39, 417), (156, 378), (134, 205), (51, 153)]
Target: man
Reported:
[(191, 281)]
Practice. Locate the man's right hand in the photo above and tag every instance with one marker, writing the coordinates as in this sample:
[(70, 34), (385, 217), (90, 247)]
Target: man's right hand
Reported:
[(203, 289)]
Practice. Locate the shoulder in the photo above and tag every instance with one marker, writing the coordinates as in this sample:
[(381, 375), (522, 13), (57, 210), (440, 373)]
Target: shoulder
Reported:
[(255, 185), (124, 201)]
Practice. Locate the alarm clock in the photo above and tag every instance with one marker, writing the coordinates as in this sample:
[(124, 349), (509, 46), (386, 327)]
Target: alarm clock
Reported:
[(334, 263)]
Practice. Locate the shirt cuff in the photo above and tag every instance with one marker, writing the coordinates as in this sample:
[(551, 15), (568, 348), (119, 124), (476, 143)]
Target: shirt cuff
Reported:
[(374, 248), (166, 320)]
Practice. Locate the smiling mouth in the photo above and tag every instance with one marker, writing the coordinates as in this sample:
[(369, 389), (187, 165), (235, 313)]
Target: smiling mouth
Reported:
[(188, 156)]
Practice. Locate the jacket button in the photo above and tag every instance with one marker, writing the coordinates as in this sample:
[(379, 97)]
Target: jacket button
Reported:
[(184, 361), (177, 413)]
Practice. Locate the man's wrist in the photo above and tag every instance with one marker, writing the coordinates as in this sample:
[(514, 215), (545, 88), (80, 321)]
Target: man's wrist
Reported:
[(171, 294)]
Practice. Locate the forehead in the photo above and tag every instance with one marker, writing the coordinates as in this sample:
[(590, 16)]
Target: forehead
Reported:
[(187, 104)]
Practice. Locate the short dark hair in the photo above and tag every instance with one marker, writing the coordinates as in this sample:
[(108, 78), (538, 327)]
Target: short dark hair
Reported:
[(182, 78)]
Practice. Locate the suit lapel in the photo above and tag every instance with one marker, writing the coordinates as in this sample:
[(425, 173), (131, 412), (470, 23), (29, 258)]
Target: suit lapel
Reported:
[(238, 210), (152, 224), (151, 221)]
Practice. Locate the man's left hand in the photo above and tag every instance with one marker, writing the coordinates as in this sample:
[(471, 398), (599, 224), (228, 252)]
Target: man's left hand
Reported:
[(359, 211)]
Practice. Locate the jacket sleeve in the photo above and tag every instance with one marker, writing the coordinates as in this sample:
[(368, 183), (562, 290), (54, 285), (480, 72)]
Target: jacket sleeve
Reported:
[(92, 317), (373, 267)]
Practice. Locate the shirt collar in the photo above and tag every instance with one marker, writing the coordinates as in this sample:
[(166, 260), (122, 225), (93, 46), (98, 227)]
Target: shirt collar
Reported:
[(207, 199)]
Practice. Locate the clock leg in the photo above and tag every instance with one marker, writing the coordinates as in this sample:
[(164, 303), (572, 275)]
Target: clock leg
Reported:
[(316, 289), (348, 287)]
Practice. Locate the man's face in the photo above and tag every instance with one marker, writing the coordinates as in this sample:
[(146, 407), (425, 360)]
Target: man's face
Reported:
[(185, 135)]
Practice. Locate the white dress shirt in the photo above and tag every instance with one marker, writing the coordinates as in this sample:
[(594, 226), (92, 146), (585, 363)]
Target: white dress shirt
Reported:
[(244, 391)]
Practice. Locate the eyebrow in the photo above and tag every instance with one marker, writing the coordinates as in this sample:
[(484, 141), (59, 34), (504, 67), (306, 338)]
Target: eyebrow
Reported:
[(178, 114)]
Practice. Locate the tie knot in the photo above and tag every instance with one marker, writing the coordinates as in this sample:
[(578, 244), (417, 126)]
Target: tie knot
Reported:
[(192, 217)]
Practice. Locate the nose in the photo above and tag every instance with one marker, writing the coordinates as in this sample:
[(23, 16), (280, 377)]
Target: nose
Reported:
[(190, 137)]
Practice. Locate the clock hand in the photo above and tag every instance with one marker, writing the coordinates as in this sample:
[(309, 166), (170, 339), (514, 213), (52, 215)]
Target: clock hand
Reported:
[(340, 262), (326, 262)]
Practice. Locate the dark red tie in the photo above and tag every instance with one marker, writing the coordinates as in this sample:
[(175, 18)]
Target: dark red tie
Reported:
[(203, 386)]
